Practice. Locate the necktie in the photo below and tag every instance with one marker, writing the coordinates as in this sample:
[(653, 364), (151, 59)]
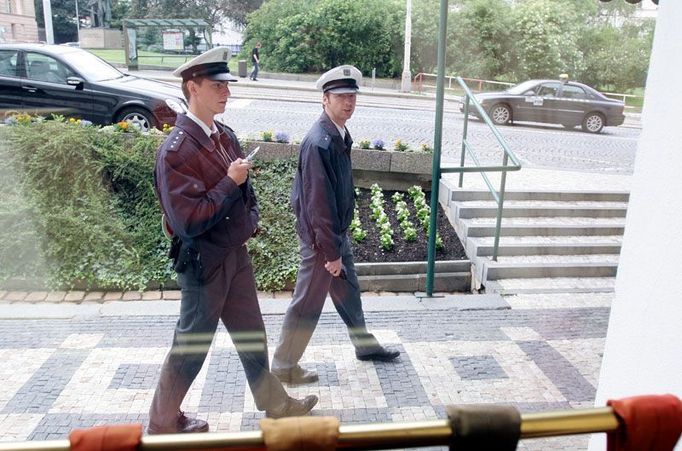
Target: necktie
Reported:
[(215, 137)]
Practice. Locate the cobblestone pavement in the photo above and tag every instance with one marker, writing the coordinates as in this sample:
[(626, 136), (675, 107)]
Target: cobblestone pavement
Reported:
[(89, 369), (538, 146)]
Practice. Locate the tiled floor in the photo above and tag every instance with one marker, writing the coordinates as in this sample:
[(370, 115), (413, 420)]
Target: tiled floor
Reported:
[(60, 374)]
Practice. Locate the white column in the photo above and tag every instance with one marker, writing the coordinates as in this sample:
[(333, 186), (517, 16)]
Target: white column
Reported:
[(643, 353), (406, 85), (47, 15)]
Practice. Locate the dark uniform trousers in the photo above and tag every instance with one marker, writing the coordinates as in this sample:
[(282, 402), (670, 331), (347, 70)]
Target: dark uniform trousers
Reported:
[(229, 294), (313, 282)]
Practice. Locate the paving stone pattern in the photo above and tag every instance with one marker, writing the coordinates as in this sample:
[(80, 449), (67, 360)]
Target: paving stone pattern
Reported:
[(61, 374)]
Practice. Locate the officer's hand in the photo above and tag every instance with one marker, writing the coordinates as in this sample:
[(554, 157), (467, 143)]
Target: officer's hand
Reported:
[(239, 170), (334, 267)]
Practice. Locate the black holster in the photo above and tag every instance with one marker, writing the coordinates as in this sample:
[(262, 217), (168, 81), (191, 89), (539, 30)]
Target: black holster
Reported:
[(174, 251)]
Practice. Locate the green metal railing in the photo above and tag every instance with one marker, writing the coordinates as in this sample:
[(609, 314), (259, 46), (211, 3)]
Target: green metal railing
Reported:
[(468, 100)]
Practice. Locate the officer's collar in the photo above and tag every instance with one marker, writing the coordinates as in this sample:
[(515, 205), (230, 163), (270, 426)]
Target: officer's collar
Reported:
[(193, 129)]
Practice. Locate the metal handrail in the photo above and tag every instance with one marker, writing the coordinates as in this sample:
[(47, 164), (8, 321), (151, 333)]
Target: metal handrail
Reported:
[(368, 436), (466, 149), (461, 169)]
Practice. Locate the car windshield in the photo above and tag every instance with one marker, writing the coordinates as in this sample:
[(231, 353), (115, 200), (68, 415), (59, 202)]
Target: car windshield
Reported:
[(92, 67), (523, 87)]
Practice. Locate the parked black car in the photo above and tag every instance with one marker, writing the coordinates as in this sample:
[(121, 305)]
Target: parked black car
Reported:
[(43, 79), (552, 101)]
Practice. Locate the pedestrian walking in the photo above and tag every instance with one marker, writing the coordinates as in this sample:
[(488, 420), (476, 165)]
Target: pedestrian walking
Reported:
[(255, 60), (323, 199), (202, 181)]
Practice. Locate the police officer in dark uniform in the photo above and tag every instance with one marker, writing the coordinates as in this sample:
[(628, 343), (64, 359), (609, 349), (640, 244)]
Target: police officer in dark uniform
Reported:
[(323, 199), (202, 182)]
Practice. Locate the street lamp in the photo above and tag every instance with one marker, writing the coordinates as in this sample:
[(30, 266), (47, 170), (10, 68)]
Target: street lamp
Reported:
[(78, 24), (406, 85), (47, 14)]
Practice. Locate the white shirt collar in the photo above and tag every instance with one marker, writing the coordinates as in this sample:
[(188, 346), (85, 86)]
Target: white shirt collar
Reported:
[(208, 130), (342, 130)]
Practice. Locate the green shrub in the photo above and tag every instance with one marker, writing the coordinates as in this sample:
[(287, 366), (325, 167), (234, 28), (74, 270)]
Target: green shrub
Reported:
[(274, 252), (266, 136), (73, 227), (78, 210)]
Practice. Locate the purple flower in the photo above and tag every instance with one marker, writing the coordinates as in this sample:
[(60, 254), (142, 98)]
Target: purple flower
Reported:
[(11, 120), (282, 137), (85, 123), (378, 144)]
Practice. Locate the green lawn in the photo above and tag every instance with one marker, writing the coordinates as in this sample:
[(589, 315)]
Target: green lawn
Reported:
[(117, 56)]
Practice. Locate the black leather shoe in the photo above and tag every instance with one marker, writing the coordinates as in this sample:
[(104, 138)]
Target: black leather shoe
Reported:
[(378, 354), (293, 407), (296, 375), (183, 425)]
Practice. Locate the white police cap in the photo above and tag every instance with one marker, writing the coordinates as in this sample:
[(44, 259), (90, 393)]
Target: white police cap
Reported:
[(211, 64), (340, 80)]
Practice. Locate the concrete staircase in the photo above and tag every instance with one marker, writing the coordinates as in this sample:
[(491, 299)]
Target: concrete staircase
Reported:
[(550, 241)]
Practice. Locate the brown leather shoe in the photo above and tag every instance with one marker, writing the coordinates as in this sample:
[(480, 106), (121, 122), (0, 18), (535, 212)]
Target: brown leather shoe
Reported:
[(378, 354), (296, 375), (293, 407), (183, 424)]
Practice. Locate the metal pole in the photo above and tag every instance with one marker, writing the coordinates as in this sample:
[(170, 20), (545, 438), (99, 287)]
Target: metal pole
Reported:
[(500, 207), (437, 141), (47, 15), (406, 85), (78, 24), (464, 138), (367, 436)]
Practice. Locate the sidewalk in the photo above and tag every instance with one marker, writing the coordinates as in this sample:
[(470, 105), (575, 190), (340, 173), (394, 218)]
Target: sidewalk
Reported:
[(69, 365)]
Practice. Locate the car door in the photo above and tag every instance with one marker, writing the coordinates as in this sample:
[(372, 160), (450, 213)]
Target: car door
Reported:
[(10, 81), (543, 105), (46, 89), (572, 106)]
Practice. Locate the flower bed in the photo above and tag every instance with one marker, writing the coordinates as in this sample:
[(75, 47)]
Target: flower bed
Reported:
[(409, 242)]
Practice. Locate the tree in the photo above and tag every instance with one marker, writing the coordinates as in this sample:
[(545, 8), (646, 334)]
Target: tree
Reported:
[(617, 58), (546, 38), (302, 36), (480, 40), (63, 19)]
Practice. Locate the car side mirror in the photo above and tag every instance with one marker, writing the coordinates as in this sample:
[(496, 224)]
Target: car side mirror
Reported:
[(74, 81), (529, 93)]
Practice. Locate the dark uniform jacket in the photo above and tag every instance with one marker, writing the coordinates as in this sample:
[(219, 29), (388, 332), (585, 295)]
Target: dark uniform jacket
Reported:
[(206, 209), (323, 195)]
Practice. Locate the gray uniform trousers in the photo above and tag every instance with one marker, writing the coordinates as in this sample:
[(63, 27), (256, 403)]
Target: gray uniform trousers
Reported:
[(313, 282), (229, 294)]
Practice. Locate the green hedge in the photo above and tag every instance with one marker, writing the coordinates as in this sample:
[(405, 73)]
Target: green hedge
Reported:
[(78, 210)]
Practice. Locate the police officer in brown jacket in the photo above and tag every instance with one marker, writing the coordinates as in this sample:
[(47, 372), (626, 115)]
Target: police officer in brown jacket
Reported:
[(202, 181)]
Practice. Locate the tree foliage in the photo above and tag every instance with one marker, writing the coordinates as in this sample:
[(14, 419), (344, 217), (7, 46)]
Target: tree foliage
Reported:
[(302, 36), (505, 40), (64, 17)]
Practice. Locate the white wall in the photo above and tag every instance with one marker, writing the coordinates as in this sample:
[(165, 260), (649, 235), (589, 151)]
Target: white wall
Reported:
[(643, 353)]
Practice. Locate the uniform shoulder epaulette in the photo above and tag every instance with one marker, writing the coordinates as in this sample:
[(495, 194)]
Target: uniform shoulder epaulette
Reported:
[(174, 140), (323, 141)]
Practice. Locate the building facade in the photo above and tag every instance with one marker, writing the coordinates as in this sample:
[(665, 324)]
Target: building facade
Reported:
[(18, 21)]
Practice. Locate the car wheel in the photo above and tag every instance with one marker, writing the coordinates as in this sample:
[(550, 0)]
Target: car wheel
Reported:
[(138, 117), (593, 122), (500, 114)]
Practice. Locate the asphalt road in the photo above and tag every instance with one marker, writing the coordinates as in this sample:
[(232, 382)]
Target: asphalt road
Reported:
[(412, 121)]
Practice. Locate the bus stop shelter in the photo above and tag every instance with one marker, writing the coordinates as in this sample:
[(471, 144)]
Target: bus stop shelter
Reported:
[(130, 27)]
